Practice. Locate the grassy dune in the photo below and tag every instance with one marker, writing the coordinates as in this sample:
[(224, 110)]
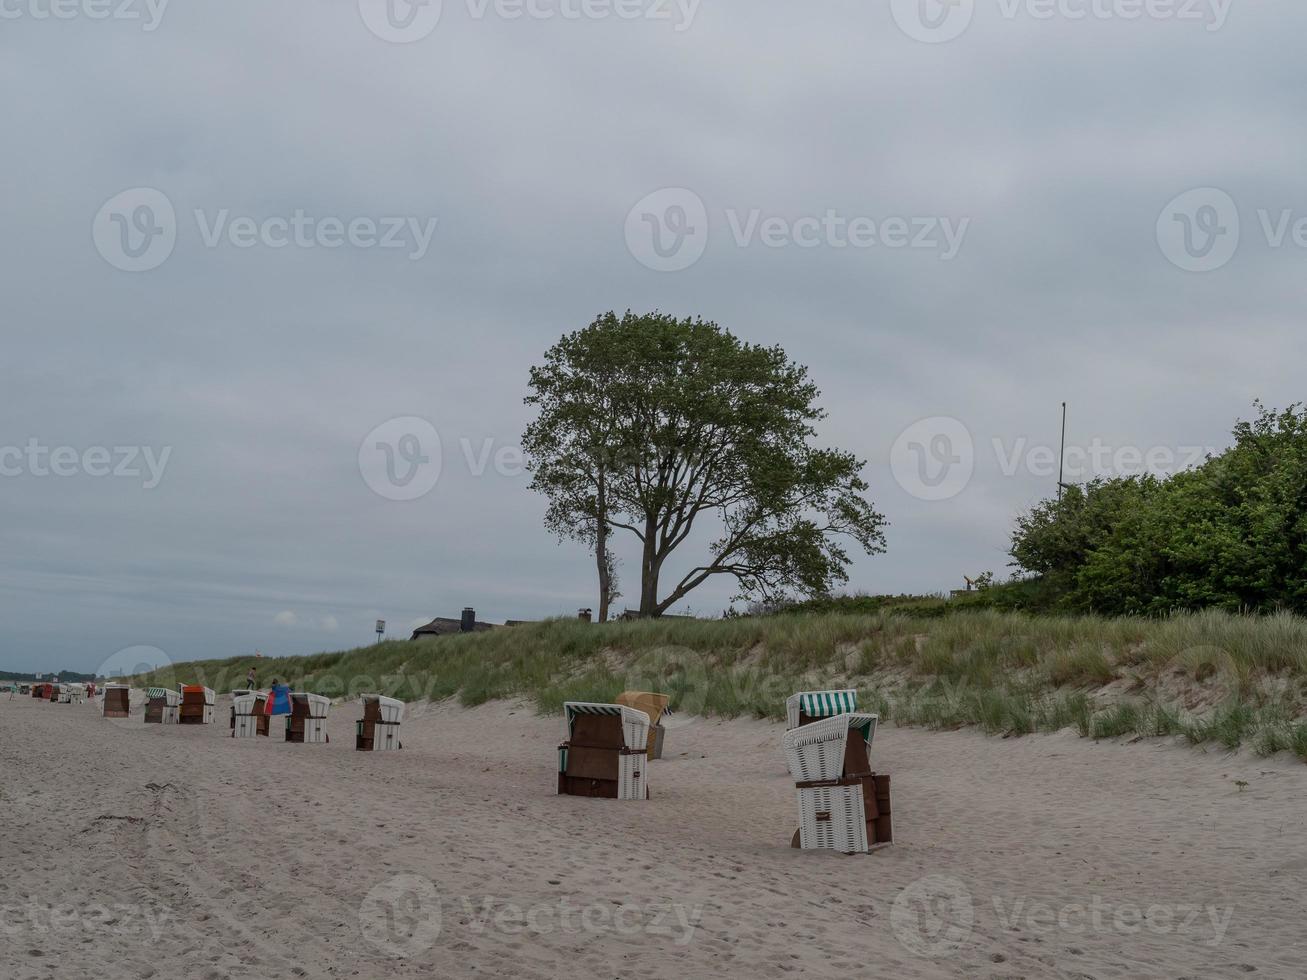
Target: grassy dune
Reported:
[(1207, 677)]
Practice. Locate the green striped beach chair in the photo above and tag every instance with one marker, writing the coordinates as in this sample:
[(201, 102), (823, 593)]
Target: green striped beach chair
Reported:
[(162, 705), (838, 793), (605, 753), (809, 706)]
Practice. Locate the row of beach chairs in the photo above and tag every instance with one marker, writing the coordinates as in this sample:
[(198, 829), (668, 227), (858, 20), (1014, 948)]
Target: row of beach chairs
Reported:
[(843, 804), (194, 704), (60, 693)]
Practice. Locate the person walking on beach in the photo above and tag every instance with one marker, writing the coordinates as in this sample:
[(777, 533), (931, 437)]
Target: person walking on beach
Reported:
[(249, 680)]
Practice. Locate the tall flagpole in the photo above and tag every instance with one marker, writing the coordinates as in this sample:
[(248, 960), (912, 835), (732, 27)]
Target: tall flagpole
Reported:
[(1061, 456)]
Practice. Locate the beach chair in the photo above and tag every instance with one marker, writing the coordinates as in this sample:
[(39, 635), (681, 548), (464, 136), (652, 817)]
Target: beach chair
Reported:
[(197, 705), (307, 719), (56, 693), (76, 693), (655, 706), (809, 706), (843, 805), (117, 702), (162, 705), (378, 730), (248, 714), (606, 752)]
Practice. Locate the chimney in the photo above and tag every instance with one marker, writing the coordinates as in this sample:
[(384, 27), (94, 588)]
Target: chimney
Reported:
[(469, 621), (584, 615)]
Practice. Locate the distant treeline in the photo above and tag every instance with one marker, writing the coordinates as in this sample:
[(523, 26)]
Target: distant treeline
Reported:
[(1229, 534), (62, 677)]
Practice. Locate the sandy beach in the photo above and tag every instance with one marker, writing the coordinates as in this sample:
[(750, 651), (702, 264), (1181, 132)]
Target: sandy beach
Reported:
[(136, 851)]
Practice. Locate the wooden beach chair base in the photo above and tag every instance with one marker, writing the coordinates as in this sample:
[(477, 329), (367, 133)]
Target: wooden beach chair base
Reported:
[(116, 702), (595, 761)]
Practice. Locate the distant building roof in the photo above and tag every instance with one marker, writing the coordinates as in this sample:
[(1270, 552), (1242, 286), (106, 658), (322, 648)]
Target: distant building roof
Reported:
[(441, 626)]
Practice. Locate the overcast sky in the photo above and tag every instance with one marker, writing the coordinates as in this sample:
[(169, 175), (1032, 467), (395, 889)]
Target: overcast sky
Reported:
[(240, 238)]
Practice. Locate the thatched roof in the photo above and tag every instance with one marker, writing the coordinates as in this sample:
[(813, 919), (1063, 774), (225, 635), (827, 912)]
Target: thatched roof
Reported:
[(442, 626)]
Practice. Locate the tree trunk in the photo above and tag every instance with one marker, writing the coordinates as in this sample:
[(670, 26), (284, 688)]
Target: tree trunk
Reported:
[(601, 550), (649, 565), (601, 556)]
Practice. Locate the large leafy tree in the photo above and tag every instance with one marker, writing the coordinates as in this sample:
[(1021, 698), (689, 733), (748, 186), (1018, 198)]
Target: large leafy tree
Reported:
[(647, 423)]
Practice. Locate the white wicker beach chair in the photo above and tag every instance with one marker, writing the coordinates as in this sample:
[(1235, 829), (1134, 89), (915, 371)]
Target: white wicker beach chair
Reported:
[(246, 714), (308, 718), (76, 693), (832, 813), (594, 760), (378, 730), (811, 705)]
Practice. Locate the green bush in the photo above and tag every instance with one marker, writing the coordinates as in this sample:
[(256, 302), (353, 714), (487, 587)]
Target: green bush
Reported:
[(1228, 534)]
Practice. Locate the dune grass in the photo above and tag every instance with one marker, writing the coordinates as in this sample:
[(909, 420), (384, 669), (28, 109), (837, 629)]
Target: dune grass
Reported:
[(1209, 677)]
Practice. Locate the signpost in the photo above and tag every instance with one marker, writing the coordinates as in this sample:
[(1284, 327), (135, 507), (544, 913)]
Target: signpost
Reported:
[(381, 629)]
